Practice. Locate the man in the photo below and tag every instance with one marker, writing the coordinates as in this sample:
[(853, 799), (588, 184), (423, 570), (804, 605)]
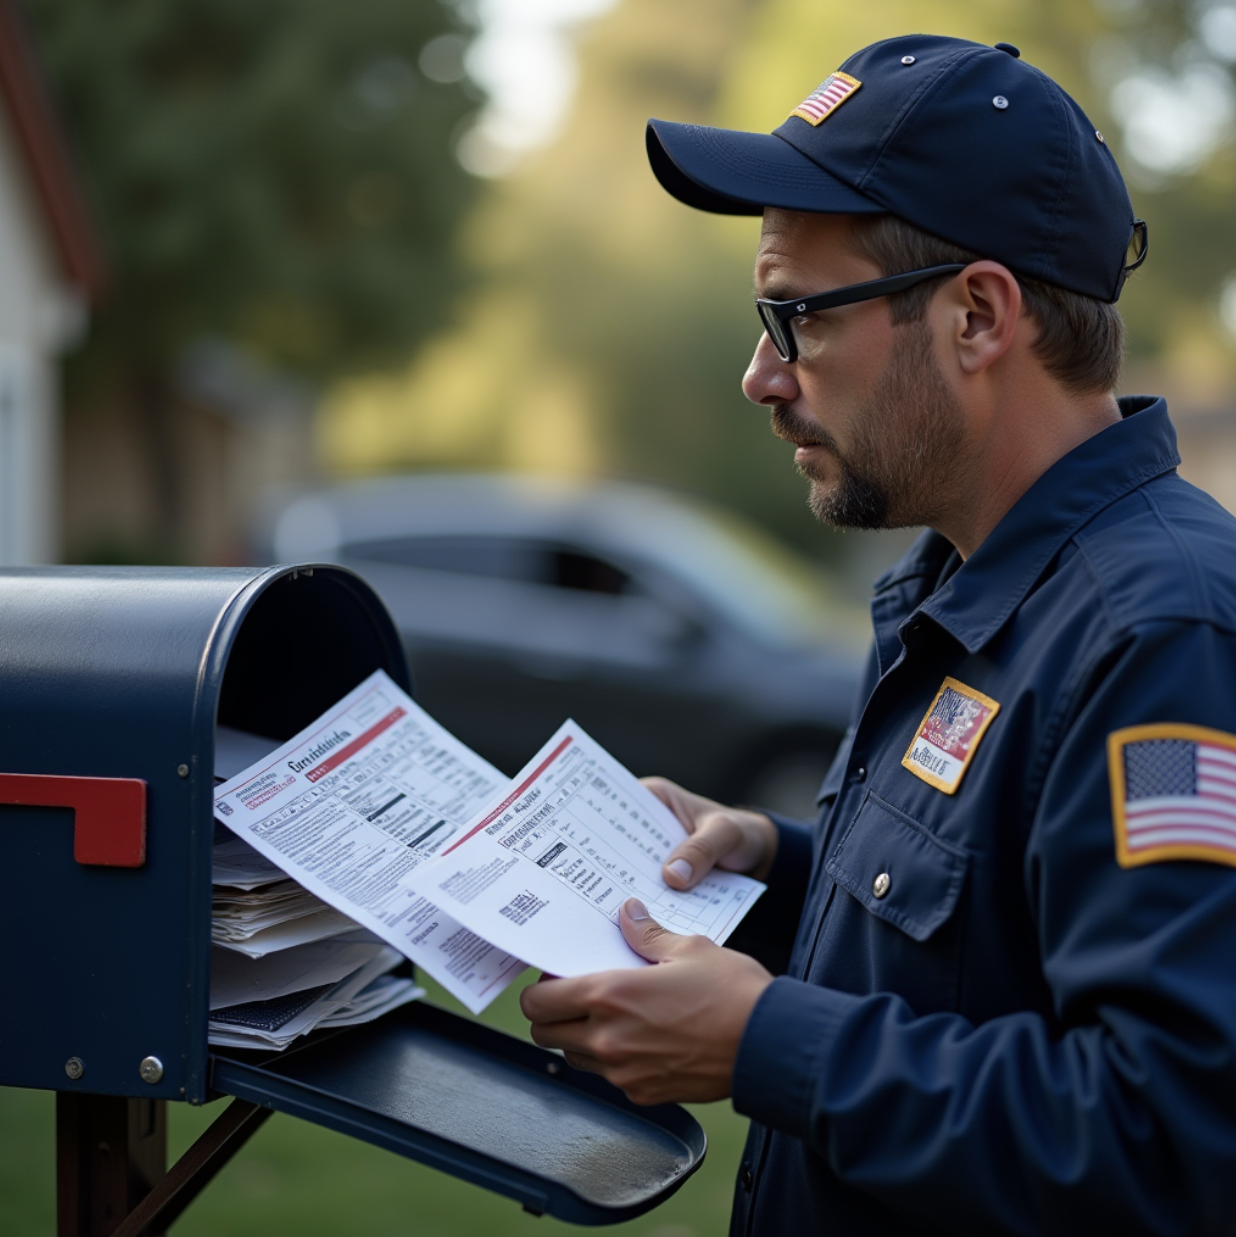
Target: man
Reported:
[(1010, 1005)]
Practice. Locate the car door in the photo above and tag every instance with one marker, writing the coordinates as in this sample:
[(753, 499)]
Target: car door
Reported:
[(510, 635)]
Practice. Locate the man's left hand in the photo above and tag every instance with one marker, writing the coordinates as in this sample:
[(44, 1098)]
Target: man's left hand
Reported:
[(664, 1033)]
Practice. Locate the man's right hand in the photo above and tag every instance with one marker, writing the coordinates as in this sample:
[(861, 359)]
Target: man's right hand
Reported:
[(735, 839)]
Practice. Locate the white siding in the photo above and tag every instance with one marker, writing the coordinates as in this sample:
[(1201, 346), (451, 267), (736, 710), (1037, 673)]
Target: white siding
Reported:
[(36, 308)]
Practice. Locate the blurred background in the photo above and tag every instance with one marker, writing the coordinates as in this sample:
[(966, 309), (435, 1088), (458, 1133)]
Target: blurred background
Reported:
[(262, 261)]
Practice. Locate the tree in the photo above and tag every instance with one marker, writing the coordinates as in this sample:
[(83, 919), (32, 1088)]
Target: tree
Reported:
[(276, 174)]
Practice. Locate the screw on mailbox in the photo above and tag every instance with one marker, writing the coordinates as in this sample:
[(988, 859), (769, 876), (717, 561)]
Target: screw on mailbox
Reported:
[(74, 1068), (182, 770), (151, 1069)]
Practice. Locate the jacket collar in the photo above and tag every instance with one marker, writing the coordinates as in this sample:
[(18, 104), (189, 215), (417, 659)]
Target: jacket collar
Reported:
[(980, 595)]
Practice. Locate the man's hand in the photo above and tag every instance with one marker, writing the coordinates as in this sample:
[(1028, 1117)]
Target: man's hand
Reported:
[(664, 1033), (732, 838)]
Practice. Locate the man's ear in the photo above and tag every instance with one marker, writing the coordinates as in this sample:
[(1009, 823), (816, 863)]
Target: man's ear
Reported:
[(985, 308)]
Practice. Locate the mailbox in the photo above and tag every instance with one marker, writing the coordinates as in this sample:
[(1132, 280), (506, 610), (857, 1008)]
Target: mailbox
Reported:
[(112, 682)]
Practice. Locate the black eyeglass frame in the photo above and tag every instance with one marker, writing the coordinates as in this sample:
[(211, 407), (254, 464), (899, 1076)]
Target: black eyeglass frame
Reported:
[(1139, 247), (775, 315)]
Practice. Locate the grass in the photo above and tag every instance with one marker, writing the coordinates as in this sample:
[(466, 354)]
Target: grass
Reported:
[(293, 1177)]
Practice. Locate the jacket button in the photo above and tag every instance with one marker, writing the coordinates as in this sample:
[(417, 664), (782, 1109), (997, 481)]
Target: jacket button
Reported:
[(881, 885), (745, 1179), (860, 774)]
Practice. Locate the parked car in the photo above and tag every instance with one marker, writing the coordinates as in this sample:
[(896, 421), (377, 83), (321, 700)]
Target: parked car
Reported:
[(686, 642)]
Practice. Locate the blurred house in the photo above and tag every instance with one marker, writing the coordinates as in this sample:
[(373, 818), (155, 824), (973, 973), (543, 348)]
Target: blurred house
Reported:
[(179, 481), (51, 270), (244, 430), (107, 483)]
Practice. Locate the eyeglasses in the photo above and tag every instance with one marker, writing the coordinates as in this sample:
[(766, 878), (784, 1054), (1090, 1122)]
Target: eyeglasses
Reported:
[(778, 316), (1135, 251)]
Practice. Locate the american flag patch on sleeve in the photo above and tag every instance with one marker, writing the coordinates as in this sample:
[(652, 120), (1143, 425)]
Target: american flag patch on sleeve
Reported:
[(1173, 794)]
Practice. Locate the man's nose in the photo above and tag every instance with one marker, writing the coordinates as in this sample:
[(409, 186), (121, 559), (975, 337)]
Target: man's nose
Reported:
[(769, 380)]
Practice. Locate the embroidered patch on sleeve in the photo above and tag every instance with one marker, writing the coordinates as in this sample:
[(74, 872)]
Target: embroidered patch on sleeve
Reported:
[(948, 736), (826, 98), (1173, 794)]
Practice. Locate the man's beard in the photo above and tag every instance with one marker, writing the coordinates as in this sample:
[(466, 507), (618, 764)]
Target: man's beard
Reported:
[(905, 456)]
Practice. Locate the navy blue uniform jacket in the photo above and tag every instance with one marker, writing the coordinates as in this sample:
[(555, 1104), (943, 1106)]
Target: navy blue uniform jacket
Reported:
[(989, 1023)]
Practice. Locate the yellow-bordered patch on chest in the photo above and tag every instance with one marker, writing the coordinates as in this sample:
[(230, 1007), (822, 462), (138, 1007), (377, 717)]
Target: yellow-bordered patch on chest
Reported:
[(948, 736)]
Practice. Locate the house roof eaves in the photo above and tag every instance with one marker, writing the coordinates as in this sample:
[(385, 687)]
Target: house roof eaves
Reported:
[(34, 120)]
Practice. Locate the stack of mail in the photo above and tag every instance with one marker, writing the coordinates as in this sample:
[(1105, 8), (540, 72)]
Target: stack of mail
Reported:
[(283, 961), (258, 910), (267, 1003)]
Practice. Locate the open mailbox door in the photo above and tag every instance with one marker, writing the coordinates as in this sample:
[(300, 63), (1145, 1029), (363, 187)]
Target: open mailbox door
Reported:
[(112, 682), (483, 1106)]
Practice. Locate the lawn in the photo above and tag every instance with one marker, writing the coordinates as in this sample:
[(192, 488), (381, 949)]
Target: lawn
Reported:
[(296, 1178)]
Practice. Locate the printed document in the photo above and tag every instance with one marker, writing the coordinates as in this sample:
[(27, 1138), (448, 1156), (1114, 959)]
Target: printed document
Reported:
[(543, 871), (235, 980), (353, 806)]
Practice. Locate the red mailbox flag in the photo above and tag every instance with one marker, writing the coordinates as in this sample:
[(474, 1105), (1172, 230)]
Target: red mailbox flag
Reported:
[(110, 825)]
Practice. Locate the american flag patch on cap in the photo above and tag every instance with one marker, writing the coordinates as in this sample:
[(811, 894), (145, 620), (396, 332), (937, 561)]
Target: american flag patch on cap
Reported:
[(826, 98), (1173, 794)]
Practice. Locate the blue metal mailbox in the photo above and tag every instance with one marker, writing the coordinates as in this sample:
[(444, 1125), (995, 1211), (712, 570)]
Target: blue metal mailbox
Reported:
[(112, 682)]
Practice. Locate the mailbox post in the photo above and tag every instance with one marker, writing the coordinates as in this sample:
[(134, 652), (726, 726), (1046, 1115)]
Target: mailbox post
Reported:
[(112, 682)]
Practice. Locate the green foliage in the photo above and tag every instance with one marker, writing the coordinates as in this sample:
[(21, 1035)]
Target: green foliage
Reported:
[(279, 174), (1169, 304), (667, 342), (642, 307)]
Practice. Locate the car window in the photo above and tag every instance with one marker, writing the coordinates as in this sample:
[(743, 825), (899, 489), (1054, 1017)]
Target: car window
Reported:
[(764, 588), (503, 558), (526, 560), (573, 569)]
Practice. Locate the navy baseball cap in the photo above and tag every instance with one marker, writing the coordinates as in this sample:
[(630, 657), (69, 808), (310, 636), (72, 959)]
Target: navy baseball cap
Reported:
[(962, 140)]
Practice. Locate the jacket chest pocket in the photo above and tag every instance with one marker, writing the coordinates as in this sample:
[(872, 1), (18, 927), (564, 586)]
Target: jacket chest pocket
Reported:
[(900, 929)]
